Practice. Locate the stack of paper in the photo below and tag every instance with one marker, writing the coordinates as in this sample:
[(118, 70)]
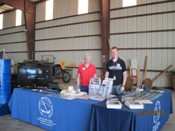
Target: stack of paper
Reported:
[(157, 91), (134, 105), (97, 98), (144, 101), (113, 104), (126, 98)]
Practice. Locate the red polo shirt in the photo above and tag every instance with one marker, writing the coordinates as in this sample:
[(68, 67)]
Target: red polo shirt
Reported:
[(86, 73)]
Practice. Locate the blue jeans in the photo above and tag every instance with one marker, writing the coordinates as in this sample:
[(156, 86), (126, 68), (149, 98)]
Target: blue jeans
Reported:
[(116, 90), (84, 88)]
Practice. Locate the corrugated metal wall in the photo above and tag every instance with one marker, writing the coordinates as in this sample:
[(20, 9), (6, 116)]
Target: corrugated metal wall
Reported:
[(13, 39), (148, 29), (145, 29), (69, 36)]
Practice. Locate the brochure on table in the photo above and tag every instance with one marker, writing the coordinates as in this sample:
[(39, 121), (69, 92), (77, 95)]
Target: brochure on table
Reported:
[(134, 105), (113, 103), (101, 92), (94, 86)]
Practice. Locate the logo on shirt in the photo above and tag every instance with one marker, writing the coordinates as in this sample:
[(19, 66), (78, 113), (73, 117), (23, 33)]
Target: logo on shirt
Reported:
[(83, 68), (118, 67)]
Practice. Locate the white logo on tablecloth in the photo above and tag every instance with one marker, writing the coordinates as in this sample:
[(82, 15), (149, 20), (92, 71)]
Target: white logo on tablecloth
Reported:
[(156, 116), (45, 107)]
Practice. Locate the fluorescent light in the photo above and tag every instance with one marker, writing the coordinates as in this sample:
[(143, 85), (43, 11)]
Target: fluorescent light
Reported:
[(83, 6), (129, 2), (49, 10), (1, 21), (18, 17)]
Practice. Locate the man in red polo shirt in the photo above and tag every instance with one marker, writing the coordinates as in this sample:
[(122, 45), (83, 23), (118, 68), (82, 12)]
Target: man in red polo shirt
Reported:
[(85, 72)]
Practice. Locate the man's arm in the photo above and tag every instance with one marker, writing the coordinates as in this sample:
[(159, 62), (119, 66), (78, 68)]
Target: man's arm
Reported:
[(95, 75), (106, 74), (124, 78), (78, 76), (124, 81), (95, 72)]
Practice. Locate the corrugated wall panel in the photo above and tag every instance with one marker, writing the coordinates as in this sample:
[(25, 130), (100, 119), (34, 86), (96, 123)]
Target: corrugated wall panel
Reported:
[(14, 47), (12, 30), (61, 8), (64, 8), (76, 19), (153, 63), (40, 12), (70, 43), (9, 19), (118, 3), (18, 57), (156, 39), (94, 5), (55, 36), (158, 59), (73, 56), (68, 31), (13, 39), (23, 21), (152, 30), (147, 1), (157, 22), (115, 3), (142, 10)]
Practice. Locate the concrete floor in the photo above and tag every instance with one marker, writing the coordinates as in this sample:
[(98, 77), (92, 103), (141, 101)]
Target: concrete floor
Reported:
[(9, 124)]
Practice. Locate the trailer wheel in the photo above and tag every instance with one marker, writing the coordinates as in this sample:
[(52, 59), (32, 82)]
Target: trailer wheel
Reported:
[(66, 76)]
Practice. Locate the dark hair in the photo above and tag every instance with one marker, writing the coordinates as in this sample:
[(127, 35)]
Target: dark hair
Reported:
[(114, 47)]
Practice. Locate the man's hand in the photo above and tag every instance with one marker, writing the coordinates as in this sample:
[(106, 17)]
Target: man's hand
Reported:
[(122, 88)]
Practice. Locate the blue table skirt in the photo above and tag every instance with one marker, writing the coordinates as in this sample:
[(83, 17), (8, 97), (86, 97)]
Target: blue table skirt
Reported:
[(85, 115), (51, 113), (104, 119)]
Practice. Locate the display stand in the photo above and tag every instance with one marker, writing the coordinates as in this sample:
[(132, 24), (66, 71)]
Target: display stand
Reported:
[(5, 90)]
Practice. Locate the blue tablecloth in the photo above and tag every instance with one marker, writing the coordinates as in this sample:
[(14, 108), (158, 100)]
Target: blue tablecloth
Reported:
[(125, 119), (51, 112)]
